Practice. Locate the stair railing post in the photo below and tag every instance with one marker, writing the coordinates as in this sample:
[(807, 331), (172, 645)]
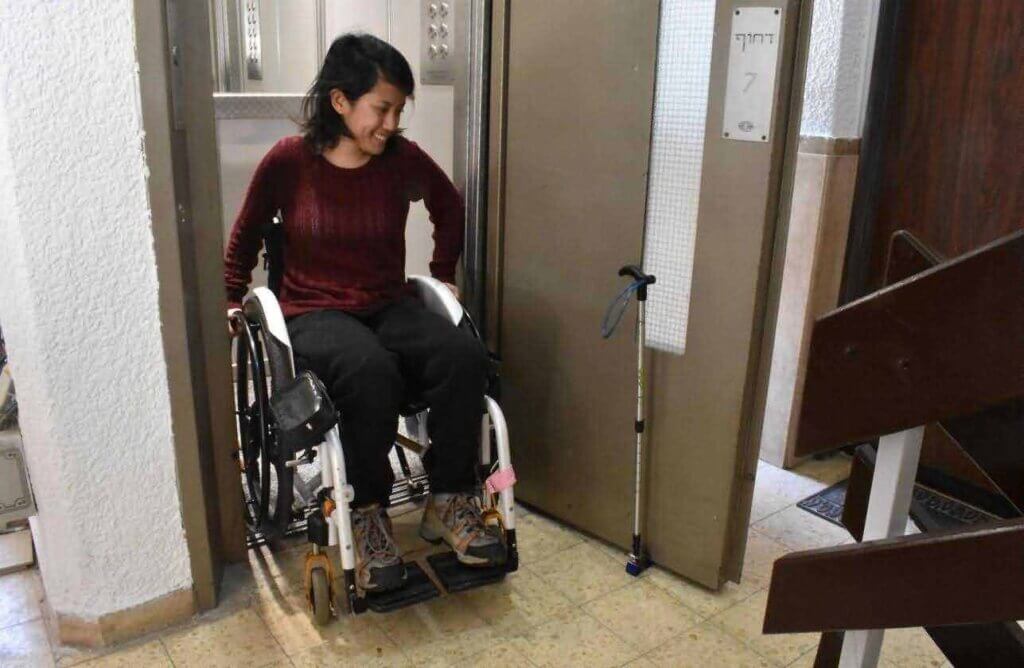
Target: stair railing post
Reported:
[(892, 487)]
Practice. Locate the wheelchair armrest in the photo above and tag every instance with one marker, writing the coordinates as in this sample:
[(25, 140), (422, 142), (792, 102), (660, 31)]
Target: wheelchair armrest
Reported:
[(437, 298), (262, 307), (269, 313)]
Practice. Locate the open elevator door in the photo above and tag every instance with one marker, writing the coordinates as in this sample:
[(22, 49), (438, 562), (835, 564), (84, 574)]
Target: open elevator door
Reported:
[(573, 93)]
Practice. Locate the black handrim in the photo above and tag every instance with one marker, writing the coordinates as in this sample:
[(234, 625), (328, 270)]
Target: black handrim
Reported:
[(251, 423), (268, 479)]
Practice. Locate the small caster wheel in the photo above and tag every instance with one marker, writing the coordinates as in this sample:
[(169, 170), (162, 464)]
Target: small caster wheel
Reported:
[(321, 596)]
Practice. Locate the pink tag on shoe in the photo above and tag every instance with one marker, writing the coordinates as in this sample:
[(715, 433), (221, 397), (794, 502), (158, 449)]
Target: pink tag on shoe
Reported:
[(500, 480)]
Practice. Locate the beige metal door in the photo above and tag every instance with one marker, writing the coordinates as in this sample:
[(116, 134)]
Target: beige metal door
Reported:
[(579, 94), (568, 197)]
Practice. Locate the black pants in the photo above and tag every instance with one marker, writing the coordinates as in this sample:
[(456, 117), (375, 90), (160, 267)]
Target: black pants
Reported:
[(371, 363)]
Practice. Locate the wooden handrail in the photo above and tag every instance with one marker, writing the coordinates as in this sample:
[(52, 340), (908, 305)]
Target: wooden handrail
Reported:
[(963, 577), (941, 344)]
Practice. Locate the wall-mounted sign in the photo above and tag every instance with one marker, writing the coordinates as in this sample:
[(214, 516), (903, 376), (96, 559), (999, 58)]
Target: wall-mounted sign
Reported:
[(750, 83)]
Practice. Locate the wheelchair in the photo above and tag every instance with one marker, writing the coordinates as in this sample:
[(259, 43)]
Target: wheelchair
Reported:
[(286, 422)]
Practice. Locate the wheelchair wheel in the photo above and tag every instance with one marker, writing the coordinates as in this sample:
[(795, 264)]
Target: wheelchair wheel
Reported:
[(266, 480), (321, 596)]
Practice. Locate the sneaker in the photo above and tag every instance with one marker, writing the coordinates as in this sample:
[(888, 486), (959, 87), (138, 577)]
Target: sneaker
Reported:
[(378, 565), (456, 520)]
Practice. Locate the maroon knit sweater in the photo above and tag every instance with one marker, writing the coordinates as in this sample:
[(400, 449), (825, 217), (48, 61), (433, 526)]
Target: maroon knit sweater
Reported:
[(344, 229)]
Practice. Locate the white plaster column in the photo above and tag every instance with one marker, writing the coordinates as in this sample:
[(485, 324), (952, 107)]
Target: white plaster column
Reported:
[(823, 188), (78, 303)]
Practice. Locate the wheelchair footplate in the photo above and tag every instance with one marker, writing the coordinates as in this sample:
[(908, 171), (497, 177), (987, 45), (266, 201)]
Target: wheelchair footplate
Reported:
[(418, 587), (458, 577)]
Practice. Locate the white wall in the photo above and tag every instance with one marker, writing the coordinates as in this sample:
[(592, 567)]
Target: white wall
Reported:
[(835, 90), (78, 302)]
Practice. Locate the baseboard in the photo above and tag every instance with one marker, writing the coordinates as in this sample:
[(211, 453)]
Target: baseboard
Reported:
[(123, 625)]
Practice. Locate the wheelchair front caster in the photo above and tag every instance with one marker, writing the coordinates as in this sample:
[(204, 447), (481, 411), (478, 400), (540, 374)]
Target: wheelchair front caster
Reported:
[(320, 592), (318, 586)]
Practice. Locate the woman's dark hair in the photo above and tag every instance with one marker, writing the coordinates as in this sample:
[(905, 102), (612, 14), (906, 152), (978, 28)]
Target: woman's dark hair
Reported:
[(353, 65)]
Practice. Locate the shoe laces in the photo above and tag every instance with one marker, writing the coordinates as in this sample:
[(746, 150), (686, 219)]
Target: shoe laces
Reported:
[(373, 525), (465, 514)]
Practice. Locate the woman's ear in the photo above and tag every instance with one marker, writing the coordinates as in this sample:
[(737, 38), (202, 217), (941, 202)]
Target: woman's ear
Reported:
[(339, 102)]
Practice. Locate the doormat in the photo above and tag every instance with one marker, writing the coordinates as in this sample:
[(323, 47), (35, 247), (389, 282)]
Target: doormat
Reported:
[(828, 503), (944, 511)]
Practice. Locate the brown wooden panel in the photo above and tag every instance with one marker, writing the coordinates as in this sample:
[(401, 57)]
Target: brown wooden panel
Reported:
[(858, 489), (942, 344), (830, 647), (1000, 643), (992, 435), (938, 579), (997, 645), (954, 126), (993, 439), (908, 256)]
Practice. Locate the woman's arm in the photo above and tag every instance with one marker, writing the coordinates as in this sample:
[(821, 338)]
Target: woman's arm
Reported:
[(258, 209), (447, 213)]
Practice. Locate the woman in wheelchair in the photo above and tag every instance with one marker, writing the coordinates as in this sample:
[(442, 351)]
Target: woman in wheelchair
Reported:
[(342, 192)]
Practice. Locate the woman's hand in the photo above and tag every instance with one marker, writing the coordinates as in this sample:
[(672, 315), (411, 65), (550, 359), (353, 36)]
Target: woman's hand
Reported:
[(454, 289), (235, 320)]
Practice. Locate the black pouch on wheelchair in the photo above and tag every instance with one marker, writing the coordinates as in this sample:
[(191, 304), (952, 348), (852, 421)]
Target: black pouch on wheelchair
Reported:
[(303, 412)]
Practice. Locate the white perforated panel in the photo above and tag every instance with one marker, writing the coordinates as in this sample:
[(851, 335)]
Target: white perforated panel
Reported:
[(677, 149)]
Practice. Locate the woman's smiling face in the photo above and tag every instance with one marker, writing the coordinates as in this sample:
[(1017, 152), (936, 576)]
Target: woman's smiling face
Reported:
[(373, 118)]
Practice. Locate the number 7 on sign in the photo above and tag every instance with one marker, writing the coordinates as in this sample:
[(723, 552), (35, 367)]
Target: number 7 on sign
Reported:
[(750, 82)]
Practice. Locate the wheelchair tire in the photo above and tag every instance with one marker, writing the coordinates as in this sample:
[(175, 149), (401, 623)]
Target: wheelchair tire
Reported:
[(267, 481), (321, 596)]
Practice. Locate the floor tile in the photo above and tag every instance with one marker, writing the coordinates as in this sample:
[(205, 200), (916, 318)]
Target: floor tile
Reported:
[(705, 646), (149, 654), (575, 639), (806, 660), (582, 573), (25, 646), (759, 559), (745, 620), (539, 538), (441, 631), (643, 615), (775, 488), (503, 654), (405, 520), (760, 556), (705, 602), (826, 470), (518, 603), (20, 594), (799, 530), (372, 648), (911, 648), (241, 639), (291, 623), (16, 551)]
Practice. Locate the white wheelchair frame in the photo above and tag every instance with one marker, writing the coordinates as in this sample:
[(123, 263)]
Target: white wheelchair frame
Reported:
[(438, 299)]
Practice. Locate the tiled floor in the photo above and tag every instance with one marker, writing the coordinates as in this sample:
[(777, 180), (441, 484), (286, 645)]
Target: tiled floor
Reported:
[(570, 604)]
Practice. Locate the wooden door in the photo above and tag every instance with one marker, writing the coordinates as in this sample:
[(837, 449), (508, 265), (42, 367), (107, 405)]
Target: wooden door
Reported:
[(945, 130)]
